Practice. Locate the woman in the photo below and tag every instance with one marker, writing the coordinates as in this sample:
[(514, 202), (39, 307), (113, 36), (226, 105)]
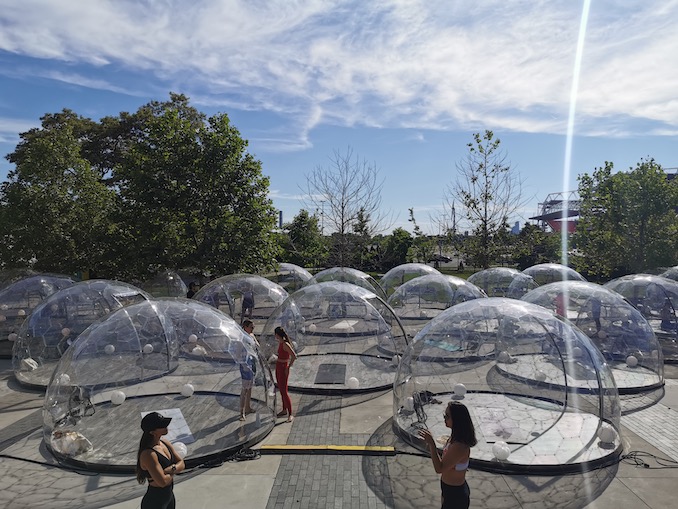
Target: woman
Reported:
[(157, 462), (456, 454), (286, 357)]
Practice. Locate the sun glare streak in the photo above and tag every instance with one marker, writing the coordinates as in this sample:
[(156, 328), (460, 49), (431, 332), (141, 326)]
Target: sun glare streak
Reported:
[(570, 127)]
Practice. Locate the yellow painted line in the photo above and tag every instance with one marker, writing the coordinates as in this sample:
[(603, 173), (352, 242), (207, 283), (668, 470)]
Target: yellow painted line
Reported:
[(329, 449)]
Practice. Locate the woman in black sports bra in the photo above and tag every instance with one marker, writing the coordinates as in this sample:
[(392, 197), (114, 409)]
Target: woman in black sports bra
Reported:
[(157, 463)]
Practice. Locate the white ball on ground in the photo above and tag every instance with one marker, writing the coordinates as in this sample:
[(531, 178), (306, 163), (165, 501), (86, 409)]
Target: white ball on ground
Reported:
[(118, 397), (21, 312), (109, 349), (65, 331), (632, 361), (423, 313), (409, 404), (187, 390), (501, 450), (353, 383), (64, 379), (504, 357), (180, 449), (540, 376), (607, 434), (199, 350), (192, 339), (12, 336), (602, 334), (577, 352), (312, 327), (460, 390), (148, 348)]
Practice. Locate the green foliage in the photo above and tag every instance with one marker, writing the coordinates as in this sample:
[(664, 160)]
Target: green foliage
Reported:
[(422, 248), (162, 187), (303, 243), (533, 246), (394, 249), (628, 220)]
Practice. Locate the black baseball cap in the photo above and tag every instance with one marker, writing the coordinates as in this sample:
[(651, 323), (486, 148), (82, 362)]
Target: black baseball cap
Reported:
[(154, 421)]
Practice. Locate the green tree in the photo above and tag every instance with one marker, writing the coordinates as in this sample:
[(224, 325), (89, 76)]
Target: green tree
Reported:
[(533, 246), (422, 248), (55, 205), (627, 220), (489, 191), (394, 249), (303, 243)]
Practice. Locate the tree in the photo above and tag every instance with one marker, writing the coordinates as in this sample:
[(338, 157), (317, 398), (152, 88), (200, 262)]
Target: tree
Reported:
[(627, 220), (489, 191), (55, 207), (422, 248), (533, 246), (394, 248), (348, 191), (304, 244)]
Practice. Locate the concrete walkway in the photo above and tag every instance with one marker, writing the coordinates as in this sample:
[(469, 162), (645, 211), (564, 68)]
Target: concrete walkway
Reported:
[(308, 481)]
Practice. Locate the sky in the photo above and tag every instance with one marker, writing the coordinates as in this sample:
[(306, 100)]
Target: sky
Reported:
[(403, 84)]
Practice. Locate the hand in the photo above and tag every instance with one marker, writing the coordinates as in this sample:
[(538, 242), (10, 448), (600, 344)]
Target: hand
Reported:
[(426, 435)]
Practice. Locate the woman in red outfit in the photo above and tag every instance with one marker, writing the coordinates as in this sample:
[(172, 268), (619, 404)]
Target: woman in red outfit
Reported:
[(286, 357)]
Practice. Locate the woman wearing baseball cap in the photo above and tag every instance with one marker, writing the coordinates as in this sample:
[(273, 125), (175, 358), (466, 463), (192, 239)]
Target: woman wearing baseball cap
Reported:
[(157, 462)]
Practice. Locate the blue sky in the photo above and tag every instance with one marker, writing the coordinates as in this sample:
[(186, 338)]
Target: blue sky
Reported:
[(404, 83)]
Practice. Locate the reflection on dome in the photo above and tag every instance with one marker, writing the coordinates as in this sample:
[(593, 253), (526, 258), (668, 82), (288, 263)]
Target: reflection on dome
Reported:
[(423, 298), (671, 273), (656, 298), (528, 379), (340, 332), (348, 275), (243, 296), (18, 300), (289, 276), (546, 273), (402, 274), (166, 284), (618, 330), (179, 357), (495, 281), (56, 323)]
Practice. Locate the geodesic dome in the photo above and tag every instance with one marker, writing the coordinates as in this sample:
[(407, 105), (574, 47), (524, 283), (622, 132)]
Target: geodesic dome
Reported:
[(231, 294), (541, 397), (179, 357), (423, 298), (521, 284), (656, 298), (17, 302), (347, 338), (289, 276), (56, 323), (494, 281), (545, 273), (618, 330), (348, 275), (671, 273), (166, 284), (403, 273)]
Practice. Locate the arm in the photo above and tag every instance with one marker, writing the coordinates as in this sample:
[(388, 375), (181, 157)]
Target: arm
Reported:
[(293, 354), (149, 462), (181, 466), (455, 453)]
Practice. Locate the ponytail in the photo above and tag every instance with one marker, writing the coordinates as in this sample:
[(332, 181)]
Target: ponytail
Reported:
[(145, 443)]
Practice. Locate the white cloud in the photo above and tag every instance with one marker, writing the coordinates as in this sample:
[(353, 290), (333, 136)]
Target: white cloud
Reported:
[(422, 64)]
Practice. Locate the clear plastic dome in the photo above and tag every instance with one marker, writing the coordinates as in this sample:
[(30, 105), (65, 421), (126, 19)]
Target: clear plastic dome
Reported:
[(348, 275), (521, 284), (656, 298), (401, 274), (618, 330), (671, 273), (10, 276), (541, 397), (166, 284), (18, 300), (546, 273), (423, 298), (347, 338), (58, 321), (289, 276), (243, 296), (494, 281), (179, 357)]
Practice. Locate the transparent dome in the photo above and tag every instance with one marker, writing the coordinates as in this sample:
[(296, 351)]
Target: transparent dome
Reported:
[(494, 281), (179, 357), (18, 300), (546, 273), (671, 273), (617, 329), (9, 276), (289, 276), (348, 275), (521, 284), (423, 298), (540, 394), (656, 298), (56, 322), (166, 284), (243, 296), (346, 338), (401, 274)]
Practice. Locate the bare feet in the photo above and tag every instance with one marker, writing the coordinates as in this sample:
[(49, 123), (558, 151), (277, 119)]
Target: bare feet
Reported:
[(242, 417), (290, 418)]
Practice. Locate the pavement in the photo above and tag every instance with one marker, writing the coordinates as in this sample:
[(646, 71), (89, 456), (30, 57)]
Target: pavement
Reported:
[(31, 478)]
